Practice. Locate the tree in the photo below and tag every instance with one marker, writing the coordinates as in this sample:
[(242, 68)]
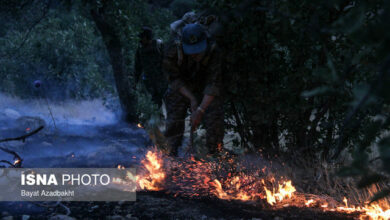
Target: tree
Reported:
[(114, 47)]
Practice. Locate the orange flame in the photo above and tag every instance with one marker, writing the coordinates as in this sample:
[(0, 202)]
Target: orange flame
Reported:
[(285, 191), (368, 211), (156, 175), (194, 178), (310, 201)]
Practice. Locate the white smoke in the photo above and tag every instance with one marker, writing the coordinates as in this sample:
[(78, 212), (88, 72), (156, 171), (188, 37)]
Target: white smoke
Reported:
[(89, 112)]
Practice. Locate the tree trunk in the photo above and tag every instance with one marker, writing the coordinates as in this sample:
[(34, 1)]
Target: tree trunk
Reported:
[(114, 47)]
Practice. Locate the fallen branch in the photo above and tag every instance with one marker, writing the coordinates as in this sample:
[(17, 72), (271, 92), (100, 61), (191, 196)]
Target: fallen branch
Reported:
[(7, 162), (22, 138), (17, 158), (18, 161)]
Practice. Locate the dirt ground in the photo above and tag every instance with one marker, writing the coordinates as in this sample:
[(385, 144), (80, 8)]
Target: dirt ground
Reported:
[(161, 205)]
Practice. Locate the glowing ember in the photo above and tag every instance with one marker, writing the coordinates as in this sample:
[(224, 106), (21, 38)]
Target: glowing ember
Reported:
[(310, 201), (198, 178), (139, 125)]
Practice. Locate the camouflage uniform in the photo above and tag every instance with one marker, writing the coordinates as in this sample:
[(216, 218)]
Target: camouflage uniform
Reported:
[(148, 69), (201, 78)]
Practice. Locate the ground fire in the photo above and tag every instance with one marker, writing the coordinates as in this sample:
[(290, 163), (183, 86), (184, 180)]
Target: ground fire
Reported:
[(197, 178)]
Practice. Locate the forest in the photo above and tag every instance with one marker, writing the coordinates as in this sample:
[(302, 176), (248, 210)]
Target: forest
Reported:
[(306, 94)]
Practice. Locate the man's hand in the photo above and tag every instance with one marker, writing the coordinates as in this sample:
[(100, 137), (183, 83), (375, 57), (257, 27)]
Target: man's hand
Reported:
[(196, 118)]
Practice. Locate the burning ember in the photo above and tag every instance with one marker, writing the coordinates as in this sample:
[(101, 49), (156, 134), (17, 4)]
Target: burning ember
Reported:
[(198, 178)]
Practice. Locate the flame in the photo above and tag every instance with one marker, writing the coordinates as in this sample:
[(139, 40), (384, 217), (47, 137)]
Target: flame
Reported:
[(219, 190), (310, 201), (285, 191), (16, 161), (155, 173), (368, 211), (375, 212), (140, 125), (345, 201), (197, 177)]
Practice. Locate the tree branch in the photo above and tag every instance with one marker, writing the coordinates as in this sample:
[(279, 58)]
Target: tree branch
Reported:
[(29, 30), (19, 160), (376, 85), (17, 163), (22, 138)]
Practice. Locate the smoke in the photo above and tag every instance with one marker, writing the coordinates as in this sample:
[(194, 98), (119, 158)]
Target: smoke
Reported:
[(90, 112), (85, 133)]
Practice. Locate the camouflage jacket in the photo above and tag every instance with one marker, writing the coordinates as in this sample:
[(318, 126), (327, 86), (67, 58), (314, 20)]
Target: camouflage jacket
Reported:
[(203, 77), (148, 61)]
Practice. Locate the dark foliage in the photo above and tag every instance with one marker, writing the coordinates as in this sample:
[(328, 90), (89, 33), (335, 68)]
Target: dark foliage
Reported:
[(308, 79)]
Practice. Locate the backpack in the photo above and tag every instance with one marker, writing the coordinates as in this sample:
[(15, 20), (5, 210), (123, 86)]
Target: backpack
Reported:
[(210, 23)]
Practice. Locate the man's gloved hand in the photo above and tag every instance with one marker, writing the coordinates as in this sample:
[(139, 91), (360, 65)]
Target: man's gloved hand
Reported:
[(196, 118)]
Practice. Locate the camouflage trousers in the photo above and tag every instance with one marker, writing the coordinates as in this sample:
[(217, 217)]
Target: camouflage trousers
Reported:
[(213, 119)]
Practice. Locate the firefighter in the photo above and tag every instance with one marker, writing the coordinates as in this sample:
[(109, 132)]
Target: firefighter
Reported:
[(147, 67), (194, 76)]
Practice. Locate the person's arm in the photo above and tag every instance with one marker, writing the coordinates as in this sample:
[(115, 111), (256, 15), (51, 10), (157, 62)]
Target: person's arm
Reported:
[(188, 94), (212, 89)]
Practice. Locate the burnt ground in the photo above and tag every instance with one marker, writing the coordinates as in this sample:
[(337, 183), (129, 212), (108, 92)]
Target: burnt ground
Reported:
[(161, 205)]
